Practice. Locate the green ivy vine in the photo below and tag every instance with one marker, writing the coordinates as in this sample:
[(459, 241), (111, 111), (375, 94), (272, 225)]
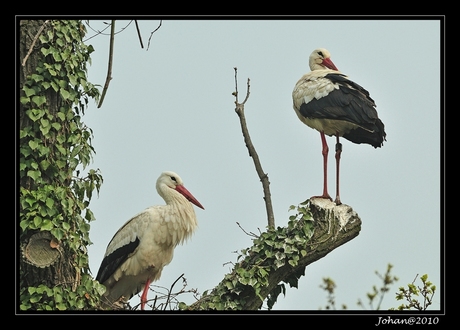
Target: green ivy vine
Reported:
[(54, 146), (271, 250)]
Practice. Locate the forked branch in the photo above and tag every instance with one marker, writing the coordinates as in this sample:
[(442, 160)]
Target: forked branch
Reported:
[(252, 152)]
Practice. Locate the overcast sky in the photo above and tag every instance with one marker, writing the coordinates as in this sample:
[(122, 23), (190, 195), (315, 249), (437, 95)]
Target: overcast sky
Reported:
[(171, 108)]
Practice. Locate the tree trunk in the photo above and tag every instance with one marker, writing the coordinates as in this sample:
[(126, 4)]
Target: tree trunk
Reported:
[(43, 260)]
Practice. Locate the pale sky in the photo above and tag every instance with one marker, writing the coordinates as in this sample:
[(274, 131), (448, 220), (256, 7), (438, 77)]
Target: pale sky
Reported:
[(171, 108)]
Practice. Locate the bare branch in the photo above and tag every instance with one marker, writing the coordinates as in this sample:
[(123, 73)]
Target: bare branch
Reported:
[(151, 34), (34, 41), (170, 289), (252, 152), (139, 33), (109, 69), (249, 234)]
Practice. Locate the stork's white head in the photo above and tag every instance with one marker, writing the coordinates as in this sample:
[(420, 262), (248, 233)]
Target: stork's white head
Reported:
[(320, 59), (172, 180)]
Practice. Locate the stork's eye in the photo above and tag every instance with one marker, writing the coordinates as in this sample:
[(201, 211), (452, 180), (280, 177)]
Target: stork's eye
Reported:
[(320, 54), (173, 178)]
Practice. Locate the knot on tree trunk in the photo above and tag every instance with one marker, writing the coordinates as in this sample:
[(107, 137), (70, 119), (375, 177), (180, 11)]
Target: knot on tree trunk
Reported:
[(41, 250)]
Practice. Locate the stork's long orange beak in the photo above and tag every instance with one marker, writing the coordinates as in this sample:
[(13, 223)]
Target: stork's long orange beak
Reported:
[(187, 194), (329, 64)]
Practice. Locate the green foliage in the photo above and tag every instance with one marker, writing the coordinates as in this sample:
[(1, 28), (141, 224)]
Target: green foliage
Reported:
[(273, 249), (43, 298), (387, 280), (426, 292), (329, 286), (54, 142), (377, 294)]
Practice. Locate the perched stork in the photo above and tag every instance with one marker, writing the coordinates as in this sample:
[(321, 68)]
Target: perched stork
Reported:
[(145, 244), (326, 100)]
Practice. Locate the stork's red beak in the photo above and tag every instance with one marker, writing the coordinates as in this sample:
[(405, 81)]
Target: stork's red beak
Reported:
[(328, 64), (187, 194)]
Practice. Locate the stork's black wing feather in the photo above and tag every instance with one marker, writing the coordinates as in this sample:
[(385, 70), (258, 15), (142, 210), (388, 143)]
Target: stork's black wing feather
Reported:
[(375, 137), (343, 80), (351, 103), (111, 262)]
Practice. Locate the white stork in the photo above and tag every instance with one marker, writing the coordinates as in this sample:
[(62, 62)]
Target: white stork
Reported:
[(145, 244), (326, 100)]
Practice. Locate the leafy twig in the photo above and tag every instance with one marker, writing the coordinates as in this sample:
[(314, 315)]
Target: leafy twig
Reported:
[(387, 279), (427, 291)]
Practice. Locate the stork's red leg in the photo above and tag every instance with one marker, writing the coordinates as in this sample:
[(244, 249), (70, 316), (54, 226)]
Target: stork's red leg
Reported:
[(338, 151), (325, 152), (144, 294)]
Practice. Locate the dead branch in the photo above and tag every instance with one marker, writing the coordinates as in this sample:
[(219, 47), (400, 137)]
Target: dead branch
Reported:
[(109, 69), (34, 41), (151, 34), (252, 153), (139, 33), (249, 234)]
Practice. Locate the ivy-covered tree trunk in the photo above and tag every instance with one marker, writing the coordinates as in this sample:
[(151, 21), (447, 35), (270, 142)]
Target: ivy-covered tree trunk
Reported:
[(54, 145)]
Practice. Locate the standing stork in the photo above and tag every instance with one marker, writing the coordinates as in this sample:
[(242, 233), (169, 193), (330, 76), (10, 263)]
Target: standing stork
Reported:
[(326, 100), (145, 244)]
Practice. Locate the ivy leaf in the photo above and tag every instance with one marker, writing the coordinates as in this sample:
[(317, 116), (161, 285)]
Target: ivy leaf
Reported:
[(44, 122), (43, 39), (57, 56), (279, 263), (55, 86), (34, 174), (89, 215), (29, 91), (56, 126), (73, 80), (33, 144), (24, 100), (35, 298), (37, 77), (61, 307), (37, 221), (35, 114), (49, 202), (47, 225), (65, 94), (39, 100), (58, 233), (24, 224)]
